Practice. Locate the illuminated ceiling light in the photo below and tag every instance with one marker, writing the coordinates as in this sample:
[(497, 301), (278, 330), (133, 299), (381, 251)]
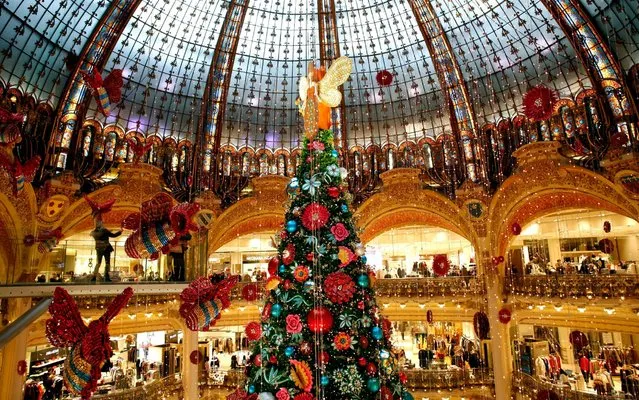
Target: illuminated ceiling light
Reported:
[(581, 309), (160, 314), (441, 305), (422, 305), (242, 308), (609, 311), (530, 306), (402, 305), (86, 320), (458, 305), (541, 307), (148, 314), (132, 316), (385, 305), (559, 307)]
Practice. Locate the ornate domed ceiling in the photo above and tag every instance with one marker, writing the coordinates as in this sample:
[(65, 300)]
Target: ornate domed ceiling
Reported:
[(228, 70)]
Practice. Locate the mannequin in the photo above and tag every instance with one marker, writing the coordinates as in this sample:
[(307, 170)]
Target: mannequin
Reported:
[(101, 235)]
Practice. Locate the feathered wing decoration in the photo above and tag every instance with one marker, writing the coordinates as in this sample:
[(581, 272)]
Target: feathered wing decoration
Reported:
[(65, 328), (139, 149), (105, 91), (9, 136), (203, 301), (89, 346), (99, 208)]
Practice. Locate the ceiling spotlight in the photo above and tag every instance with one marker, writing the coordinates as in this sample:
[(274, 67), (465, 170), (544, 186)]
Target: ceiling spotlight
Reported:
[(541, 307), (242, 308), (581, 309), (441, 305), (385, 305), (422, 305), (148, 314), (559, 307), (530, 306), (609, 311), (86, 320), (160, 314), (402, 305), (458, 305), (132, 315)]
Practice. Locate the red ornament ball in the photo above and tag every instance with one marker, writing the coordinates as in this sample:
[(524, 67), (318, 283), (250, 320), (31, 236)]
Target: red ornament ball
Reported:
[(539, 103), (441, 265), (385, 393), (324, 357), (384, 78), (339, 287), (288, 255), (253, 331), (250, 292), (272, 359), (515, 228), (195, 357), (333, 192), (505, 315), (22, 367), (606, 226), (403, 378), (319, 320), (362, 362), (273, 265), (363, 341), (257, 360), (606, 246), (371, 368)]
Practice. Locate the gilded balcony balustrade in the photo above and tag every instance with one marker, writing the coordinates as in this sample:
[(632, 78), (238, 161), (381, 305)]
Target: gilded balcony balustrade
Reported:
[(528, 387), (616, 286)]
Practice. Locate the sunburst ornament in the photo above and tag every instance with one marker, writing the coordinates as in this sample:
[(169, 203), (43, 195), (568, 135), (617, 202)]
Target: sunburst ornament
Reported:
[(539, 102), (319, 93)]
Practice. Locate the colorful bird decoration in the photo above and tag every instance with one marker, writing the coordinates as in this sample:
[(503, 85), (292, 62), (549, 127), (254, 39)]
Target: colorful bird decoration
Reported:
[(97, 209), (10, 136), (89, 345), (107, 91), (203, 301), (319, 93), (139, 148)]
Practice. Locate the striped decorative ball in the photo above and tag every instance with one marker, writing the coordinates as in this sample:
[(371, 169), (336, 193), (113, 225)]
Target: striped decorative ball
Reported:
[(149, 241), (204, 314)]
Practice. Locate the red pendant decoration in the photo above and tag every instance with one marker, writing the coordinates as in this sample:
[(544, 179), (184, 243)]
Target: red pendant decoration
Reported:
[(384, 78), (606, 226), (606, 246), (578, 339), (253, 331), (429, 316), (195, 357), (22, 367), (539, 103), (273, 265), (320, 320), (619, 139), (546, 394), (505, 315), (515, 229), (250, 292), (441, 265), (481, 325)]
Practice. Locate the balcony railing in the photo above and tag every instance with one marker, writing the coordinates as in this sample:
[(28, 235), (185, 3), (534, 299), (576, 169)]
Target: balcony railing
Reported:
[(418, 379), (527, 387), (406, 287), (575, 286), (168, 388)]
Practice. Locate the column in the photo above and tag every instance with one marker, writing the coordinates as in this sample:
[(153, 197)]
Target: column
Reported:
[(189, 371), (16, 350), (500, 338), (567, 352)]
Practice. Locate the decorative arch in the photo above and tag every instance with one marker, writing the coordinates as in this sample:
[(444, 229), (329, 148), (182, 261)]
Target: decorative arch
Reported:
[(546, 183), (262, 212), (403, 202)]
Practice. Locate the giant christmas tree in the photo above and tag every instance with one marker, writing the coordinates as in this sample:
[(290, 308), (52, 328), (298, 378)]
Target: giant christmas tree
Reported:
[(321, 334)]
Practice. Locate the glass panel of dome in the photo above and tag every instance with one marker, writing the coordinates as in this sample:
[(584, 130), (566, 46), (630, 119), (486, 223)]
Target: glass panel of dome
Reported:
[(165, 52), (386, 37), (37, 36), (618, 21), (501, 46), (276, 43)]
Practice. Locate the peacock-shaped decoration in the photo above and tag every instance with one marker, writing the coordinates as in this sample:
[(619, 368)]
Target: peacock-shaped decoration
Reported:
[(89, 346), (204, 300)]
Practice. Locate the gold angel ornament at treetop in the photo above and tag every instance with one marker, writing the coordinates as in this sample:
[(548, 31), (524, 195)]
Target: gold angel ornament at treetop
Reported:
[(319, 93)]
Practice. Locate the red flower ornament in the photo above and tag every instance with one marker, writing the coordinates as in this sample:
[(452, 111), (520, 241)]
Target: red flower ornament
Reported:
[(315, 216), (339, 231), (441, 265), (339, 287), (293, 323), (253, 331), (539, 103), (250, 292), (384, 78), (301, 273)]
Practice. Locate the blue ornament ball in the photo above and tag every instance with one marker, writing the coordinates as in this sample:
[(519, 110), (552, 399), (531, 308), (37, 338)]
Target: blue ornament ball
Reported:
[(251, 389), (363, 280), (309, 283), (291, 226), (376, 331), (276, 310), (334, 153), (282, 269), (344, 208), (373, 384), (364, 259), (324, 380), (289, 351), (407, 396)]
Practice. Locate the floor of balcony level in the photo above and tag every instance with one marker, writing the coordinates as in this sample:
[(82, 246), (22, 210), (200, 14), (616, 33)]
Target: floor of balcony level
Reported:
[(92, 289)]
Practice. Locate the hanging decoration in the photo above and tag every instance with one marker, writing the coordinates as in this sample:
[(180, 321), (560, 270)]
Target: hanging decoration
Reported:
[(97, 209), (429, 316), (203, 301), (539, 102), (10, 136), (139, 148), (89, 345), (22, 367), (319, 93), (320, 320), (48, 239), (606, 226), (546, 394), (195, 357), (105, 91), (250, 292), (606, 246), (481, 325), (158, 225), (515, 229), (441, 265), (505, 315), (384, 78)]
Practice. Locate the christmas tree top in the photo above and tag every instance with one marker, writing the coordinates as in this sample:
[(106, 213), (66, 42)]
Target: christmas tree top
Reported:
[(321, 335)]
